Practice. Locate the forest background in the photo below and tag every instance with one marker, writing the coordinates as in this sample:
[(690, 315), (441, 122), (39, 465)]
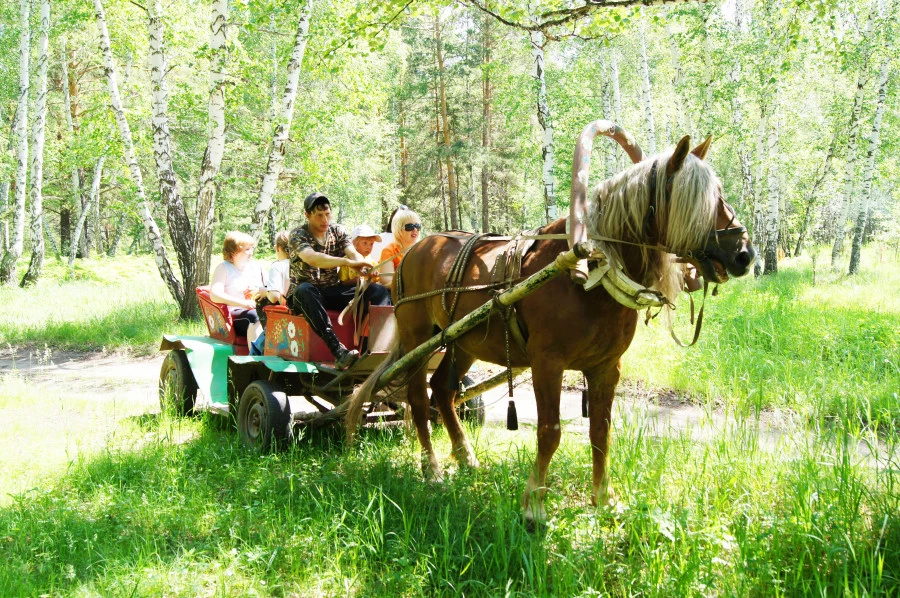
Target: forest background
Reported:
[(159, 127)]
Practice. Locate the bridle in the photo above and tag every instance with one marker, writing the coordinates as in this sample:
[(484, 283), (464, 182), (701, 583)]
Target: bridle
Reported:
[(712, 239)]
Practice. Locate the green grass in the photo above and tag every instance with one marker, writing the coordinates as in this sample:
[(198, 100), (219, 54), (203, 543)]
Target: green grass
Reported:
[(150, 516), (113, 304), (107, 497), (829, 350)]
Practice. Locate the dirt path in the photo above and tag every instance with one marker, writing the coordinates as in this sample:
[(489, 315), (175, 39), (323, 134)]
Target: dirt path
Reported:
[(134, 379)]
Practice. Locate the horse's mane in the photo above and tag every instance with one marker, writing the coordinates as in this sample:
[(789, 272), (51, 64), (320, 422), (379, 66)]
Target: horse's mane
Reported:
[(618, 208)]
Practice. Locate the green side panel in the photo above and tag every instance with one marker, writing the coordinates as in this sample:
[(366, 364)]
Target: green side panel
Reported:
[(208, 359), (277, 364)]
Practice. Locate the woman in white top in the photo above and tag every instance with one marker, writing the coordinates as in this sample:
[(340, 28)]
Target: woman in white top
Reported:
[(237, 282)]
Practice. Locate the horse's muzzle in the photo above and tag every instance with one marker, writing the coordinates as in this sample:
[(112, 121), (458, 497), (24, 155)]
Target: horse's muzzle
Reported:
[(728, 253)]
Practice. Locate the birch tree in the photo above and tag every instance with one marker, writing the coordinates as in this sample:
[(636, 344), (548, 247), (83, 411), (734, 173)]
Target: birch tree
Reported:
[(486, 126), (283, 125), (93, 198), (36, 263), (543, 113), (772, 216), (846, 200), (452, 186), (212, 158), (156, 242), (869, 169), (8, 264), (646, 89)]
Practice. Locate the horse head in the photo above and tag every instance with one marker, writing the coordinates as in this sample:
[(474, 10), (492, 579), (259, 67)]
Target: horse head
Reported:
[(672, 203), (727, 249)]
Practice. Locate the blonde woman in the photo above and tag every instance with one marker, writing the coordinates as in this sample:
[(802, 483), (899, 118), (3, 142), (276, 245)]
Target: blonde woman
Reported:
[(237, 281), (406, 228)]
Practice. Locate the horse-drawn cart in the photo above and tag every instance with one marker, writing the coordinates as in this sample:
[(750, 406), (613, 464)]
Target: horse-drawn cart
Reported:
[(292, 384)]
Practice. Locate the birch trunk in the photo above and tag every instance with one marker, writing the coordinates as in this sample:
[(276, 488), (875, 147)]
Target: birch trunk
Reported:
[(843, 211), (283, 125), (445, 129), (610, 165), (8, 264), (4, 191), (486, 164), (159, 250), (811, 198), (94, 197), (646, 91), (70, 109), (176, 215), (36, 263), (543, 114), (212, 160), (869, 169), (617, 99), (677, 80), (773, 213)]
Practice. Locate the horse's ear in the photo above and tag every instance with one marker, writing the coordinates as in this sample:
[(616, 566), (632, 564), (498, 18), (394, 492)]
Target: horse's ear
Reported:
[(678, 156), (700, 150)]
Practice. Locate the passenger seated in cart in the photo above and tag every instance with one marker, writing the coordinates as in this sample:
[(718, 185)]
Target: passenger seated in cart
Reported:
[(318, 249), (405, 226), (277, 286), (364, 240), (237, 282)]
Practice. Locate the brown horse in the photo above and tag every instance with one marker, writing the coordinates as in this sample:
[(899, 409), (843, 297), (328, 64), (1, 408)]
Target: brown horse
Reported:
[(567, 327)]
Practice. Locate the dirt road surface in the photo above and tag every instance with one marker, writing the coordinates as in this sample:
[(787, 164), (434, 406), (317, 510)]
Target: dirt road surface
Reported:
[(133, 381)]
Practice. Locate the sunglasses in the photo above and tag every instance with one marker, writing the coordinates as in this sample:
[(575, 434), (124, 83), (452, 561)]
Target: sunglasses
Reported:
[(412, 226)]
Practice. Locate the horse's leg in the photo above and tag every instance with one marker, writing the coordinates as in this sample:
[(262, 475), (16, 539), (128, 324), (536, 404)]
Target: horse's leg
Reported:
[(414, 327), (547, 380), (601, 382), (444, 399)]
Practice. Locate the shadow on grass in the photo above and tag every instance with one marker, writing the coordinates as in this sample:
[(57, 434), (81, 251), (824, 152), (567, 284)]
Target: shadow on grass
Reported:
[(321, 514)]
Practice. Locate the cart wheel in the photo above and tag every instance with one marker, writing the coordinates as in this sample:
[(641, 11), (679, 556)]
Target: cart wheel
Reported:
[(264, 416), (472, 411), (177, 387)]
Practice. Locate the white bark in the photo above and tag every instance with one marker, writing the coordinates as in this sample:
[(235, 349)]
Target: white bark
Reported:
[(617, 98), (282, 125), (646, 91), (36, 263), (869, 169), (773, 213), (610, 166), (677, 80), (159, 251), (543, 114), (215, 148), (70, 123), (176, 215), (273, 81), (8, 265), (94, 198), (849, 171)]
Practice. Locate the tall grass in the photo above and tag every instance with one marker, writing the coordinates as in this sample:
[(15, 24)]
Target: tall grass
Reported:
[(118, 303), (829, 350), (150, 517)]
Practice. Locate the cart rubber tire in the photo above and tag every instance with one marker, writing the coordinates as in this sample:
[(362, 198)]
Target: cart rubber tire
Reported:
[(472, 411), (264, 416), (177, 386)]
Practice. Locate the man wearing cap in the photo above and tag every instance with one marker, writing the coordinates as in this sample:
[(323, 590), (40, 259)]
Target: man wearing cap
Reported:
[(318, 249)]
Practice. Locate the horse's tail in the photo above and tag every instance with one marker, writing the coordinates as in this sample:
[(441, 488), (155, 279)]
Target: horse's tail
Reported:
[(366, 391)]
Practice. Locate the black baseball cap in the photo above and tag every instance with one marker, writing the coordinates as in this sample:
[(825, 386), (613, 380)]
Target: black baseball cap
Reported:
[(314, 199)]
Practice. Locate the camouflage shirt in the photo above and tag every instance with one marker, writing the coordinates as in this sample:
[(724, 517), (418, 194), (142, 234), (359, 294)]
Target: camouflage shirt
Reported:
[(336, 242)]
